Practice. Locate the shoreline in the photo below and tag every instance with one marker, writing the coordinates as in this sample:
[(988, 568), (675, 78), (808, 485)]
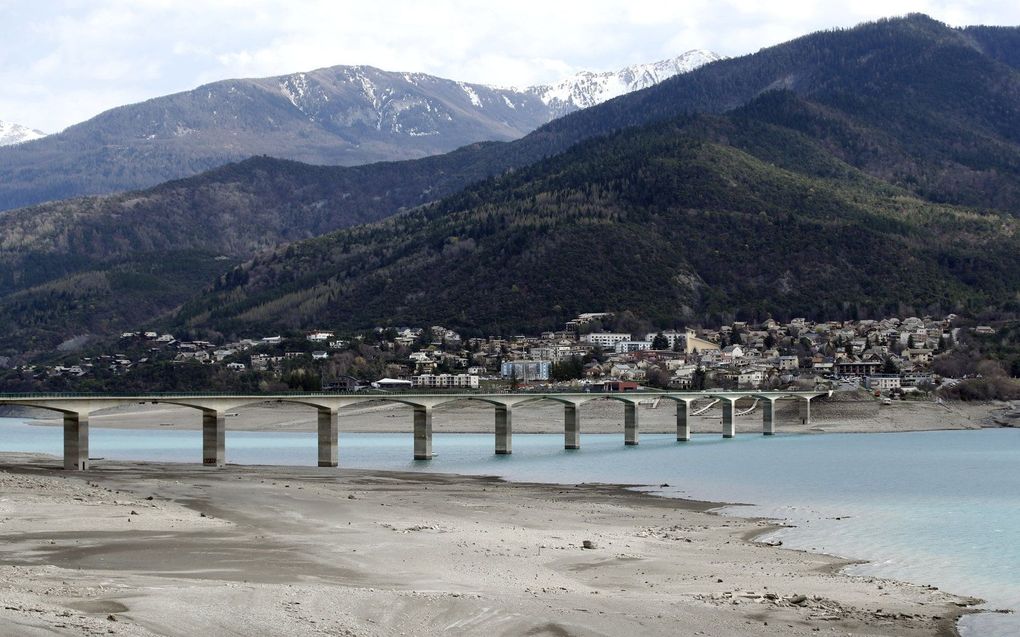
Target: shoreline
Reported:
[(644, 543)]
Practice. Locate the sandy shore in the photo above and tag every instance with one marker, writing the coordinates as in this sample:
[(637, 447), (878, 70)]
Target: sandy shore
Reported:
[(132, 549), (601, 416)]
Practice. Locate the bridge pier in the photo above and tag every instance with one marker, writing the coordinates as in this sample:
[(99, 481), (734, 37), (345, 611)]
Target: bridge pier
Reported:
[(683, 414), (571, 427), (729, 425), (76, 441), (630, 423), (422, 432), (768, 416), (805, 411), (214, 442), (329, 430), (504, 430)]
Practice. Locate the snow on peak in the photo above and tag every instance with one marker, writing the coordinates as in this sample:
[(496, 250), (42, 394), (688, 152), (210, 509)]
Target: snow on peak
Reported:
[(11, 133), (588, 88)]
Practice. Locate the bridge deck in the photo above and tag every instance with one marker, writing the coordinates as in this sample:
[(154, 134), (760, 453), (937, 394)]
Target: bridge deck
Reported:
[(76, 409)]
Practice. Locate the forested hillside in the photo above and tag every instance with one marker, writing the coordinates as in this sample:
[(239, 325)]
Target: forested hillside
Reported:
[(702, 218), (906, 130)]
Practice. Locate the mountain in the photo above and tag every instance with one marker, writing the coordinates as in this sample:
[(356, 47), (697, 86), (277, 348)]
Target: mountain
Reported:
[(345, 115), (11, 133), (588, 88), (707, 218), (921, 121)]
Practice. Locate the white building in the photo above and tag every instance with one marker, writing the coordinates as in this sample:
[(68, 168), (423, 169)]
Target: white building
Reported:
[(446, 381), (606, 340), (883, 382), (624, 347), (672, 336)]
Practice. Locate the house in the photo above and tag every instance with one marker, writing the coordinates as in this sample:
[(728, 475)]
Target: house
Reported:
[(320, 356), (984, 330), (787, 363), (751, 378), (236, 367), (919, 355), (319, 336)]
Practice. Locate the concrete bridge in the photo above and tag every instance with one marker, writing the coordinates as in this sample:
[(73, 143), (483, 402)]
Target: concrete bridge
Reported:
[(76, 409)]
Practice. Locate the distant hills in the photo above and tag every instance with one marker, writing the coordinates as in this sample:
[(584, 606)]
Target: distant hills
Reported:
[(845, 173), (345, 115), (11, 133)]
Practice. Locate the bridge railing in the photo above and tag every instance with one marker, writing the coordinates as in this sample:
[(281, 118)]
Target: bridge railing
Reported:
[(383, 392)]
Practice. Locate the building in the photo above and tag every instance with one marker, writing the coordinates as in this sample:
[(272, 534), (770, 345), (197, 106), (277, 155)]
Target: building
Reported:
[(319, 336), (525, 371), (672, 337), (751, 378), (392, 383), (605, 340), (446, 381), (693, 343), (624, 347), (883, 382), (858, 368), (787, 363)]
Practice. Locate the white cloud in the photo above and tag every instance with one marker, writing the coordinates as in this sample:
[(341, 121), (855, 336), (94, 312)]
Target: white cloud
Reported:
[(65, 60)]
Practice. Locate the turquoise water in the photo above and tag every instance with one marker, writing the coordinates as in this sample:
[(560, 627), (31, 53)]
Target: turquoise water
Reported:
[(939, 508)]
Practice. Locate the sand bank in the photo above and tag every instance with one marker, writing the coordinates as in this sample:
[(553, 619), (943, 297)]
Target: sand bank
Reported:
[(131, 549)]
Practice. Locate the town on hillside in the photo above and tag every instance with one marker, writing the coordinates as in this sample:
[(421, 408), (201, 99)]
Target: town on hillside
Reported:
[(892, 357)]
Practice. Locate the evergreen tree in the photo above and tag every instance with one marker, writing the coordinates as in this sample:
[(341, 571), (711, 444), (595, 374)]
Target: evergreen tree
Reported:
[(660, 342)]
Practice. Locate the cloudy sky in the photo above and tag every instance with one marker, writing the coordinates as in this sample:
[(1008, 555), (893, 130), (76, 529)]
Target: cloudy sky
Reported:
[(63, 61)]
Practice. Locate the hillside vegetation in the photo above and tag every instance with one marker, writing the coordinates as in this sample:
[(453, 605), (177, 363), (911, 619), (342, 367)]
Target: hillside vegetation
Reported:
[(669, 221), (843, 172)]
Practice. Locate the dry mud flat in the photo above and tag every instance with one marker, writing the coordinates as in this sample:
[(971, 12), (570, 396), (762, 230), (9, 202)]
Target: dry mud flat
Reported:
[(185, 550)]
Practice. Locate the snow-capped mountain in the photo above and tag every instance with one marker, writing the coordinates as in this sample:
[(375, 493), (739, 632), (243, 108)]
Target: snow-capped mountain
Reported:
[(11, 133), (344, 115), (589, 88)]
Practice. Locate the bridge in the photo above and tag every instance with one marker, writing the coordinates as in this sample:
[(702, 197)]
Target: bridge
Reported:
[(76, 409)]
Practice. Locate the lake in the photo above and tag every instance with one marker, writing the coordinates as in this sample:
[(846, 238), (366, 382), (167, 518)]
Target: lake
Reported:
[(939, 508)]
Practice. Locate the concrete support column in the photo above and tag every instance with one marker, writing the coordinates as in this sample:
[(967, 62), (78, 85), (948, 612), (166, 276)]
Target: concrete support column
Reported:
[(76, 441), (213, 438), (630, 424), (768, 416), (422, 433), (571, 427), (504, 429), (805, 411), (683, 426), (329, 429), (729, 425)]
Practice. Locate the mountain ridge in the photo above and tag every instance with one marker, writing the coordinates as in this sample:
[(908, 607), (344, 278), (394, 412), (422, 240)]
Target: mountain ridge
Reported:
[(12, 133), (340, 115)]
